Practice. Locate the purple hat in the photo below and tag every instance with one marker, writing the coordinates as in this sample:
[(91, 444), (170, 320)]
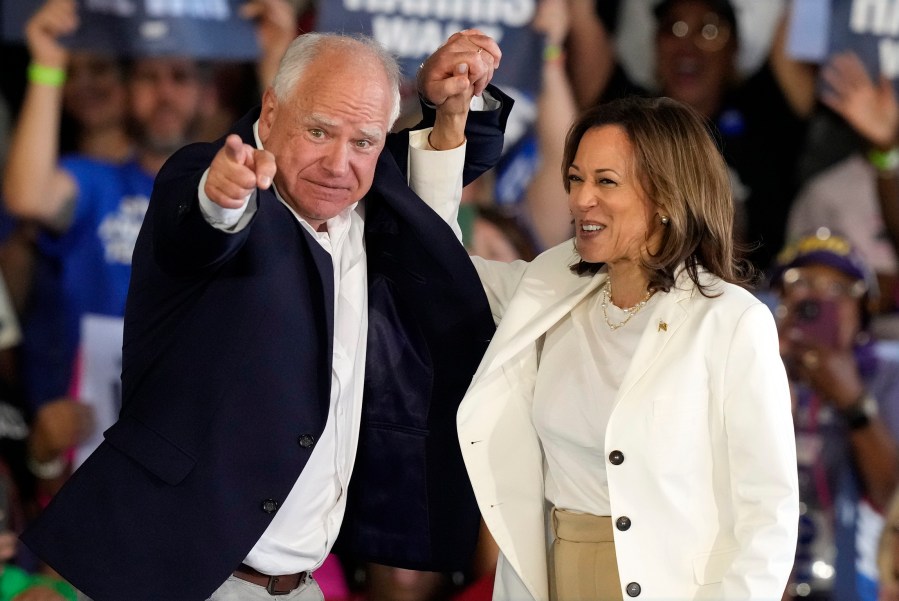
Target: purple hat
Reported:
[(824, 248)]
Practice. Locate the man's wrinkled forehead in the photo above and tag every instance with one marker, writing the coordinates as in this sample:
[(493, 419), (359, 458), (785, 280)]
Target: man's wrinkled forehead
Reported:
[(371, 131)]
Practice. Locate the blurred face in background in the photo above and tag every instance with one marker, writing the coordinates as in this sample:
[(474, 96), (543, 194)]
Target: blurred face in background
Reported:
[(695, 55), (165, 100), (820, 304), (94, 93), (490, 242)]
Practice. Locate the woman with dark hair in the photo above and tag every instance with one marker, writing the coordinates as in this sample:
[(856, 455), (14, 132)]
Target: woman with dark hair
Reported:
[(632, 409)]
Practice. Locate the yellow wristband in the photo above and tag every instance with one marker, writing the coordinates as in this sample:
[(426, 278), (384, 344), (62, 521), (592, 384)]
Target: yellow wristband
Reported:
[(551, 52), (48, 76), (884, 160)]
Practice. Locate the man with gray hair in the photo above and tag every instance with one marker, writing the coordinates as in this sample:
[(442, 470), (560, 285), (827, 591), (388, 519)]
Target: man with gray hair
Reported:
[(296, 314)]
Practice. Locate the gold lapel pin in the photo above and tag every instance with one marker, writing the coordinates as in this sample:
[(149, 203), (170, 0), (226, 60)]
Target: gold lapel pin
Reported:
[(663, 327)]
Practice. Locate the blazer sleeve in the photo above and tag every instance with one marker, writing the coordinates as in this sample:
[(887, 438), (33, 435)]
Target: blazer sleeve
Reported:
[(761, 451), (500, 281), (182, 240), (484, 131)]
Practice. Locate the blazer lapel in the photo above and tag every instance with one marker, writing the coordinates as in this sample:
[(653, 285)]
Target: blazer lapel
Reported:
[(324, 266), (408, 215), (666, 319), (546, 294)]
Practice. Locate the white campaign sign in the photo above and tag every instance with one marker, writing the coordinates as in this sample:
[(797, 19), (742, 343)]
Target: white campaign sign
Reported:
[(99, 376)]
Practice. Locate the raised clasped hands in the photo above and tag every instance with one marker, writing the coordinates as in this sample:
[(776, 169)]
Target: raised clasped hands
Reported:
[(52, 20), (457, 71)]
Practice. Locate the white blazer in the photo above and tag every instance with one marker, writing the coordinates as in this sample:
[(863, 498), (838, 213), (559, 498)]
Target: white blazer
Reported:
[(702, 421)]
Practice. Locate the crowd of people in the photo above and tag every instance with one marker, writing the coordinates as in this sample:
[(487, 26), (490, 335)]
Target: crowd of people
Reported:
[(304, 286)]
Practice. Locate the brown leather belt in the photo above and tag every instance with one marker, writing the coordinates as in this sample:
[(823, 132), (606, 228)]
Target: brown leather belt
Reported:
[(275, 585)]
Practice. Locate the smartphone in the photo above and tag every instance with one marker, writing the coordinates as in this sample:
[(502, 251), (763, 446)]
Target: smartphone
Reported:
[(816, 321)]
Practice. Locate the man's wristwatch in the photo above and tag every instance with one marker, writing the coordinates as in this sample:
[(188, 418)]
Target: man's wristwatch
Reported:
[(860, 413)]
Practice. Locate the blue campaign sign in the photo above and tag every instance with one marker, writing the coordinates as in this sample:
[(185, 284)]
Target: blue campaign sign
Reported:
[(869, 28), (413, 29), (13, 15), (203, 29)]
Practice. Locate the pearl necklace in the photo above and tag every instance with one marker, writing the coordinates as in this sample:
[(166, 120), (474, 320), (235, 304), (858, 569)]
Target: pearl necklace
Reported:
[(606, 300)]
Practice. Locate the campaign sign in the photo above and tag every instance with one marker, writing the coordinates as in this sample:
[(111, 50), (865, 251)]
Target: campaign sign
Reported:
[(869, 28), (203, 29), (808, 39), (13, 15), (413, 29), (99, 375)]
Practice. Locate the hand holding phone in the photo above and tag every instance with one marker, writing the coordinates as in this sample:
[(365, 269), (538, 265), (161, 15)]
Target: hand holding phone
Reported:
[(815, 322)]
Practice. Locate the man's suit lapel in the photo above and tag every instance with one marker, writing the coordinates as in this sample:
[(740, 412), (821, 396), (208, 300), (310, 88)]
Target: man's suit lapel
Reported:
[(325, 268), (409, 215)]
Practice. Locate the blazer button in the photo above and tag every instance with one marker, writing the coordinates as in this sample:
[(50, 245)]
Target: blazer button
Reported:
[(623, 523), (633, 589), (306, 441), (183, 207), (616, 457), (270, 506)]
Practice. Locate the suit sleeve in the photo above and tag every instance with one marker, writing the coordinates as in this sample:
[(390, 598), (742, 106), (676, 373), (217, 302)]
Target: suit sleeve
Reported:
[(500, 281), (182, 239), (484, 132)]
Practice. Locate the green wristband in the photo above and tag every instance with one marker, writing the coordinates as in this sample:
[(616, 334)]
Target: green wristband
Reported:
[(552, 52), (884, 160), (48, 76)]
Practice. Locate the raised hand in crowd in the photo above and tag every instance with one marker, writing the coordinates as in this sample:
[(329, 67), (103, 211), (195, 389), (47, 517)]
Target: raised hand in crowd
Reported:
[(556, 110), (276, 27), (869, 107)]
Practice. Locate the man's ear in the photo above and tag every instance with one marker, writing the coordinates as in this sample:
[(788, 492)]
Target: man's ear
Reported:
[(267, 116)]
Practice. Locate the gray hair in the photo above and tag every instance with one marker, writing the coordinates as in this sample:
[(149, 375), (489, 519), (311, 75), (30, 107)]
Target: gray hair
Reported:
[(307, 46)]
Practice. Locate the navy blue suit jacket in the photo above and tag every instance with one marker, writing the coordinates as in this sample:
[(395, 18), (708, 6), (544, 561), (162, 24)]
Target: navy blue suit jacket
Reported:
[(226, 382)]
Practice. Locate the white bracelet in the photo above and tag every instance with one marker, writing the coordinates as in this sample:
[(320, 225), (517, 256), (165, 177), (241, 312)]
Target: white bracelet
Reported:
[(46, 470)]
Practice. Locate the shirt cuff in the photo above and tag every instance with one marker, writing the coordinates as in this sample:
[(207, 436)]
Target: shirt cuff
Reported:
[(229, 220), (436, 176), (485, 102)]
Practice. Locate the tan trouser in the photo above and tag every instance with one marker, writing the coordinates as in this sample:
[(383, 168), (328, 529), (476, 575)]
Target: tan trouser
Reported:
[(583, 566)]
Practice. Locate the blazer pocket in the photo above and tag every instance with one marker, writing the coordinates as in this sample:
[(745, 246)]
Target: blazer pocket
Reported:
[(150, 449), (710, 568)]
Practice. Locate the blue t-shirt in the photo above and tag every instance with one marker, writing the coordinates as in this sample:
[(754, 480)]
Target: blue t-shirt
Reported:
[(84, 270)]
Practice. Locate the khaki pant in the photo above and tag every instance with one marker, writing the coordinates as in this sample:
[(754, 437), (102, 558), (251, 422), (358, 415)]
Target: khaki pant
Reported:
[(583, 566)]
